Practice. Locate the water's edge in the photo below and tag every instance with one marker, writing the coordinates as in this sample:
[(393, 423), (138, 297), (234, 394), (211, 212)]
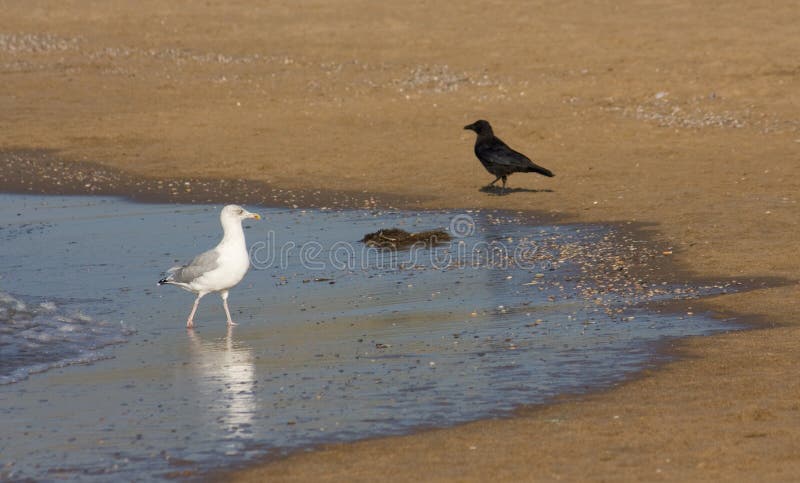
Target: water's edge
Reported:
[(663, 352)]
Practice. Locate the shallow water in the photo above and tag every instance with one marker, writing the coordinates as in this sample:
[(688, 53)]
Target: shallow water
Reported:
[(35, 339), (334, 343)]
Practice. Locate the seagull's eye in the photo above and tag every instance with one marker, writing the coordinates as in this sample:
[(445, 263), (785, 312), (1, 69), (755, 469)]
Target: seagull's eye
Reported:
[(241, 212)]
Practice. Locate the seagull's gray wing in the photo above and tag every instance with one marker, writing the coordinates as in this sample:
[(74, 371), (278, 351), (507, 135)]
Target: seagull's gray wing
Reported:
[(203, 263)]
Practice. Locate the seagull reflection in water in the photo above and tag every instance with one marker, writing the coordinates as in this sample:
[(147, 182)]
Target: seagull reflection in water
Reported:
[(227, 373)]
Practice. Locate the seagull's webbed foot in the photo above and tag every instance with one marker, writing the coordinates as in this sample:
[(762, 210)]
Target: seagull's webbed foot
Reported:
[(190, 324)]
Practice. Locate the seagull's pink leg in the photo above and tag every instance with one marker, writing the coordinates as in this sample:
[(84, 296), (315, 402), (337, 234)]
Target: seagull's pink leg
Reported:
[(224, 295), (190, 322)]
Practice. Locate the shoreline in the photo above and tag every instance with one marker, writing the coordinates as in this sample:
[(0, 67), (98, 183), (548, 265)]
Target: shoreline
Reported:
[(112, 182), (41, 171), (677, 115)]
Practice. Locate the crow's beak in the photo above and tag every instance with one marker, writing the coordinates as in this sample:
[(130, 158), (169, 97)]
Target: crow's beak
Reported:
[(471, 127)]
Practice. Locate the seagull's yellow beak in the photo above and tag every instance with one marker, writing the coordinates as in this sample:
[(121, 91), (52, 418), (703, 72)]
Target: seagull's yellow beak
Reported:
[(256, 216)]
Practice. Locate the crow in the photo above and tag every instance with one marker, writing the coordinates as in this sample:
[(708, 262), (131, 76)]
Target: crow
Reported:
[(498, 158)]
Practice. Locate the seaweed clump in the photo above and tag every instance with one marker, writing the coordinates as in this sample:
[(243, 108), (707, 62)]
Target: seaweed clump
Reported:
[(396, 238)]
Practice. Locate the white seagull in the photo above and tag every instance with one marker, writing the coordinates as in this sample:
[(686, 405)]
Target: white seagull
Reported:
[(219, 269)]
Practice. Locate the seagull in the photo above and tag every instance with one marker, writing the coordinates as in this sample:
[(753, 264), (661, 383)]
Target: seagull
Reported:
[(499, 159), (219, 269)]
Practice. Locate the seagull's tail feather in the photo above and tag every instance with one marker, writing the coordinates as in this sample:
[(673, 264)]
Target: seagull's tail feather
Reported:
[(170, 276), (535, 168)]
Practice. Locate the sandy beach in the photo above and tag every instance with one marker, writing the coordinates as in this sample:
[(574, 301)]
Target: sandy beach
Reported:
[(681, 116)]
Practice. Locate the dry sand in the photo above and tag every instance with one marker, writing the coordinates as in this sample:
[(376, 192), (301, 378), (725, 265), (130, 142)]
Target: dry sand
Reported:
[(681, 114)]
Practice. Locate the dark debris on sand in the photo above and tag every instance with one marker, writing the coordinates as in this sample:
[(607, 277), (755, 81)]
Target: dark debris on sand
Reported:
[(44, 172), (396, 238)]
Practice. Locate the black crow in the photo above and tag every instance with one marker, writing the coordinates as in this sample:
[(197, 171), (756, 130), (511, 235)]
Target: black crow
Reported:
[(498, 158)]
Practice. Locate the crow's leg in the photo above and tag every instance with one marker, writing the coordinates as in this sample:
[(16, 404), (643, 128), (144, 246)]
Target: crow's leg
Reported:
[(505, 178), (495, 181)]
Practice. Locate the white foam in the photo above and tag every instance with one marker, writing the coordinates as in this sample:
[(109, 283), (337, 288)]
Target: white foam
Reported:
[(34, 340)]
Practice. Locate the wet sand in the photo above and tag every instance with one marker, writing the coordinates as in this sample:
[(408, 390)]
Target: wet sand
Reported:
[(677, 114)]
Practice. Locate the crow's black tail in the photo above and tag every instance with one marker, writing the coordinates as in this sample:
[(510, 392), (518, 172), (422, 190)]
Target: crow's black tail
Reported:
[(538, 169)]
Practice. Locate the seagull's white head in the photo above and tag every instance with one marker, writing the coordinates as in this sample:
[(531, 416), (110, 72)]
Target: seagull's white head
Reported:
[(236, 212)]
